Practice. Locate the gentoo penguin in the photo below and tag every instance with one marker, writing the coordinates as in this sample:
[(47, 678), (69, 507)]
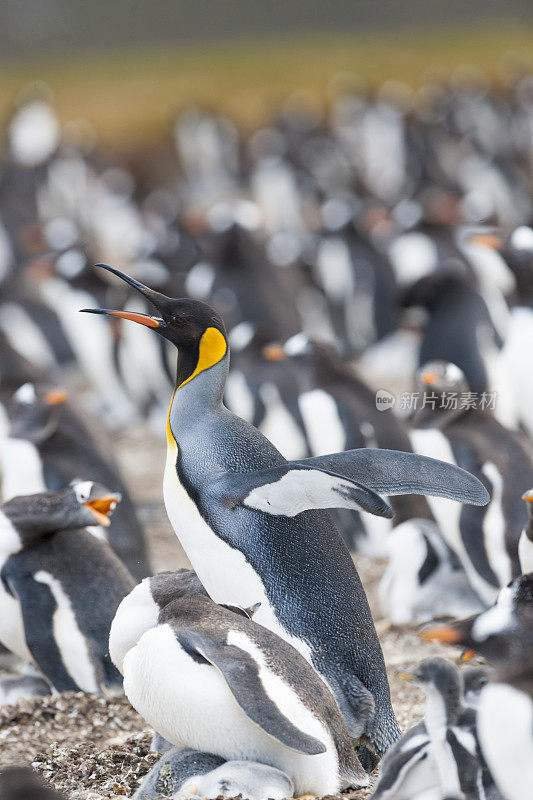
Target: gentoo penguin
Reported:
[(22, 783), (339, 412), (457, 426), (268, 702), (60, 586), (525, 544), (250, 521), (513, 603), (49, 444), (422, 580), (440, 754), (184, 772), (505, 710), (459, 328)]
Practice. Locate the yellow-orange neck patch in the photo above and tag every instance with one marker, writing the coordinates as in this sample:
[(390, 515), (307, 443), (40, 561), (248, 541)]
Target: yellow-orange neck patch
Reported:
[(212, 349)]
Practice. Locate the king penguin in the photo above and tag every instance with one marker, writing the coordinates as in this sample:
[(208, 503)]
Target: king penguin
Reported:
[(242, 693), (252, 523), (60, 586)]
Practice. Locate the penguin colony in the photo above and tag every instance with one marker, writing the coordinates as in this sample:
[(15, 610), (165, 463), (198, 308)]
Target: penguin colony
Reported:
[(371, 280)]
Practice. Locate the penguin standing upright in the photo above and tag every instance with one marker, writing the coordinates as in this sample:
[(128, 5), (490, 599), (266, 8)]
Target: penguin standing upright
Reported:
[(60, 586), (242, 693), (440, 755), (458, 427), (251, 525), (48, 445)]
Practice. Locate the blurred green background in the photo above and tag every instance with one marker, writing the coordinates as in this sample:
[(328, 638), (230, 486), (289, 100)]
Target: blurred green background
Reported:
[(127, 67)]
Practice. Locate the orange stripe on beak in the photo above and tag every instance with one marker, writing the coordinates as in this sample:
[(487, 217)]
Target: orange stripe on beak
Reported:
[(445, 634), (55, 397), (142, 319), (528, 496), (273, 352)]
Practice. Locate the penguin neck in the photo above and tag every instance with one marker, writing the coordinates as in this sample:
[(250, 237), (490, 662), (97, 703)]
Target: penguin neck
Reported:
[(193, 398), (442, 709)]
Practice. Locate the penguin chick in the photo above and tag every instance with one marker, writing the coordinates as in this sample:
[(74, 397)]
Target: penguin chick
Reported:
[(421, 582), (184, 772), (505, 712), (525, 544), (22, 783), (441, 754), (466, 434), (474, 679), (48, 445), (27, 683), (243, 692), (60, 586)]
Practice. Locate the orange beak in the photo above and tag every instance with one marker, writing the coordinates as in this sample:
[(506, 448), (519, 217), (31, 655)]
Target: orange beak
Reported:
[(274, 352), (528, 496), (429, 378), (55, 397), (142, 319), (103, 507), (467, 655), (405, 676), (487, 240), (444, 633)]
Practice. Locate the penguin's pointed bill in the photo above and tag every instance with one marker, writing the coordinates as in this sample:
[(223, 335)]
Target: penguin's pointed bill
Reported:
[(103, 507), (242, 674)]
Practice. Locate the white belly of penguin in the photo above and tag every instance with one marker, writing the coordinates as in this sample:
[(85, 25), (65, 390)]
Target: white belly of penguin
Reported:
[(223, 570), (199, 711), (11, 625)]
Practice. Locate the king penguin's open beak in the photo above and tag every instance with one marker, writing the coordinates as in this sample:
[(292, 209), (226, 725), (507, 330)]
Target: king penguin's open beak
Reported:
[(160, 301)]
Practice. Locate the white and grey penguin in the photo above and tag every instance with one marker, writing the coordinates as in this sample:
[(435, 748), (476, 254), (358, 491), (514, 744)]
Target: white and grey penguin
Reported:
[(253, 524), (505, 709), (184, 772), (49, 444), (455, 427), (439, 757), (60, 586), (243, 692)]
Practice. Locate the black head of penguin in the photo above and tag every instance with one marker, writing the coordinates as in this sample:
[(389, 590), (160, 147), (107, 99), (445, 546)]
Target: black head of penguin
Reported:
[(318, 361), (191, 325), (22, 783), (34, 411), (444, 677), (35, 516), (442, 383)]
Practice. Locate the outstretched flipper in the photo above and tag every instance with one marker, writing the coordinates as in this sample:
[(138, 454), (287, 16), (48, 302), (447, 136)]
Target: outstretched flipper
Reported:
[(352, 479), (289, 489), (242, 675), (392, 472)]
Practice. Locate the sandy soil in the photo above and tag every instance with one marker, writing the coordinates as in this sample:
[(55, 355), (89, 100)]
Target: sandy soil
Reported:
[(93, 747)]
